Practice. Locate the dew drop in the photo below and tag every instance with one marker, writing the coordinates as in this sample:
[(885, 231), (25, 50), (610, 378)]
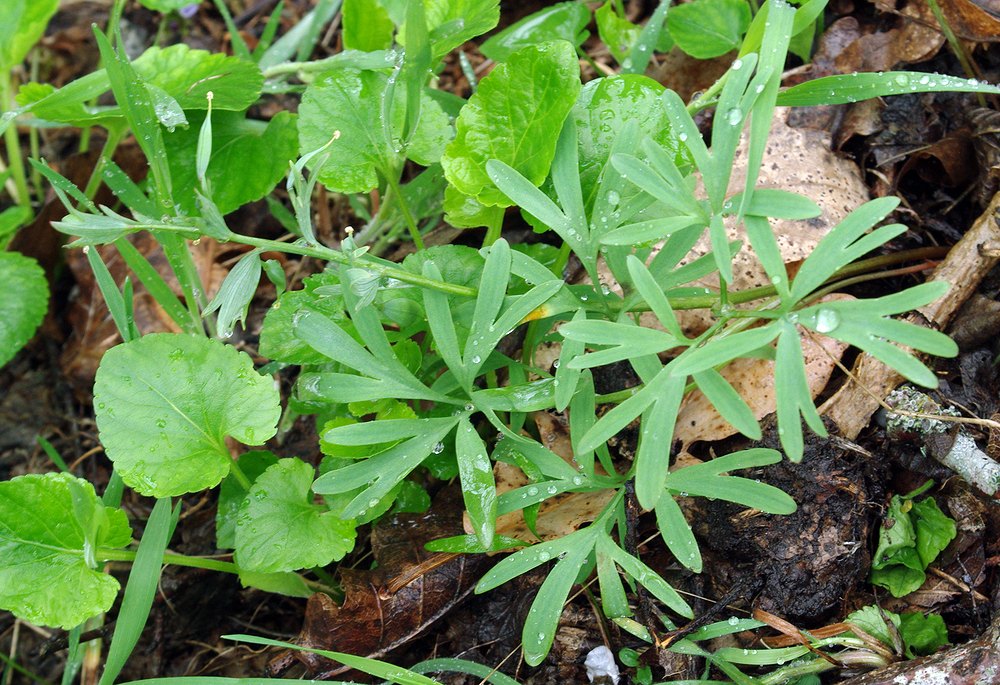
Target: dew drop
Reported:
[(476, 359), (902, 79), (438, 448), (737, 64), (827, 320), (682, 137), (613, 197), (372, 502), (734, 116), (734, 621)]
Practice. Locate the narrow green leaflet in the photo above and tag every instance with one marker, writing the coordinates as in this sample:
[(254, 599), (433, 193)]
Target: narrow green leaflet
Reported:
[(709, 28), (350, 102), (20, 315), (514, 117), (279, 528), (845, 88), (563, 21), (248, 159), (233, 299), (52, 530), (22, 23), (478, 487), (164, 439), (708, 480)]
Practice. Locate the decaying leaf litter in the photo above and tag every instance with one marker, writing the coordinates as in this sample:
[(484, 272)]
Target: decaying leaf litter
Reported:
[(810, 569)]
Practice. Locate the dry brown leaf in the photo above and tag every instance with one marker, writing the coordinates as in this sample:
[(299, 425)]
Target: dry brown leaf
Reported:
[(972, 21)]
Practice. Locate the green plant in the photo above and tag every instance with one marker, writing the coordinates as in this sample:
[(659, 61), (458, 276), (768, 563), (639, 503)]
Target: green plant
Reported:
[(404, 364)]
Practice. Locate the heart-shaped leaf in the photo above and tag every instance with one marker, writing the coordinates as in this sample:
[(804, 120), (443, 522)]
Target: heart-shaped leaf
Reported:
[(20, 316), (165, 404)]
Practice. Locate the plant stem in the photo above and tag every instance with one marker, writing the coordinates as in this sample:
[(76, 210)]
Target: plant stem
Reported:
[(493, 228), (169, 558), (110, 145), (240, 477), (325, 253), (418, 240), (13, 144)]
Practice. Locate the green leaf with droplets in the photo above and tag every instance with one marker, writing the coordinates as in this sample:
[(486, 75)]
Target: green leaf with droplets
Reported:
[(166, 403), (52, 530), (515, 117), (20, 314), (279, 528), (564, 21)]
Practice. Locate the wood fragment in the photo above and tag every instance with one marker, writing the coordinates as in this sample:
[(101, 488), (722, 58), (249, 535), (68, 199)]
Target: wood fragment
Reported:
[(967, 263)]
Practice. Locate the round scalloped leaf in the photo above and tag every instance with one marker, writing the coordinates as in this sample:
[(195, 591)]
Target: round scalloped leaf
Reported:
[(515, 116), (22, 311), (188, 75), (51, 529), (280, 529), (165, 404)]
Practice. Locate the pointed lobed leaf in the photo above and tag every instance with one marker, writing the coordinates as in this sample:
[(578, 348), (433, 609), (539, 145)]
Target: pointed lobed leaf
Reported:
[(165, 404), (51, 528), (278, 527), (515, 117), (22, 311)]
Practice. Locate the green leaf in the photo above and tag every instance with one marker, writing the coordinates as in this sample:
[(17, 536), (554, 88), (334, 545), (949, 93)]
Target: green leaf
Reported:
[(453, 22), (351, 102), (232, 494), (676, 533), (366, 25), (52, 528), (164, 439), (933, 528), (380, 669), (514, 117), (845, 88), (563, 21), (235, 294), (249, 157), (645, 576), (280, 529), (22, 23), (709, 28), (707, 480), (602, 111), (22, 311), (478, 487), (872, 620), (618, 33), (188, 75), (792, 395), (277, 337), (922, 634)]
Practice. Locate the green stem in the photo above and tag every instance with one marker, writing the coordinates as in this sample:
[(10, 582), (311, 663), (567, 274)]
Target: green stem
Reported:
[(179, 257), (176, 559), (325, 253), (240, 477), (404, 207), (493, 227), (13, 143), (107, 151)]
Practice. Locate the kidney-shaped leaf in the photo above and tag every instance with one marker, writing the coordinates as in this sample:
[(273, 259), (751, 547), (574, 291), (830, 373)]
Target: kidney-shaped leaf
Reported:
[(22, 312), (165, 404), (188, 75), (280, 529), (52, 527), (248, 158), (351, 101), (515, 117)]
